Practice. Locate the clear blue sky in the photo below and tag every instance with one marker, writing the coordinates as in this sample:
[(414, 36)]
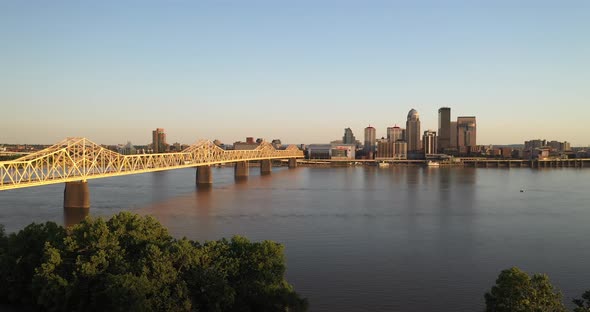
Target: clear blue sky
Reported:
[(301, 71)]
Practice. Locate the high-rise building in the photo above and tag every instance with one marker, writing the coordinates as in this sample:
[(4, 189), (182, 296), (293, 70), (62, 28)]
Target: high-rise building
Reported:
[(348, 137), (466, 133), (395, 134), (444, 128), (159, 141), (453, 141), (413, 131), (429, 142), (370, 140)]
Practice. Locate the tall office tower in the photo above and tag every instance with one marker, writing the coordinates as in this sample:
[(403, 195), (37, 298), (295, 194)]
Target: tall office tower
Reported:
[(413, 131), (395, 134), (466, 132), (429, 140), (159, 140), (370, 140), (453, 141), (348, 137), (444, 128)]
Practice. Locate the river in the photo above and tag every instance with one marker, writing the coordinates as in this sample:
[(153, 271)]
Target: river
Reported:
[(366, 238)]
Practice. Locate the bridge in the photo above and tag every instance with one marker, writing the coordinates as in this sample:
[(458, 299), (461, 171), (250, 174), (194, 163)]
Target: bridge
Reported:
[(73, 161)]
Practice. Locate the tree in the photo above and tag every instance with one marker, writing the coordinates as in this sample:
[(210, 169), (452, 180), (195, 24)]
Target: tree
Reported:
[(516, 291), (131, 263), (20, 255), (583, 305)]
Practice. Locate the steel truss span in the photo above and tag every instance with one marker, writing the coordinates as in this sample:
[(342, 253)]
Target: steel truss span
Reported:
[(75, 159)]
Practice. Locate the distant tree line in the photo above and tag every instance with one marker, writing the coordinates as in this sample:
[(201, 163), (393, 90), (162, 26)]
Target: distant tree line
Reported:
[(131, 263)]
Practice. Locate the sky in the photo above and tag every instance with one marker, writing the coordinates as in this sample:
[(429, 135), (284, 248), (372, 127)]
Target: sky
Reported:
[(301, 71)]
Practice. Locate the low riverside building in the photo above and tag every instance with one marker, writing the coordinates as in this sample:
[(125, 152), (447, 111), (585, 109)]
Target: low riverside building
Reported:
[(331, 151), (391, 150)]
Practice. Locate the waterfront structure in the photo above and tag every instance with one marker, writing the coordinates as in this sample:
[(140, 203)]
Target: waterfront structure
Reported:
[(159, 141), (342, 151), (444, 129), (319, 151), (370, 140), (385, 149), (413, 131), (348, 137), (401, 150), (429, 141), (395, 134), (532, 144), (466, 134)]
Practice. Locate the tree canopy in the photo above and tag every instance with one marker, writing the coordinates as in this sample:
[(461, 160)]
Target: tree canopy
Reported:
[(516, 291), (131, 263)]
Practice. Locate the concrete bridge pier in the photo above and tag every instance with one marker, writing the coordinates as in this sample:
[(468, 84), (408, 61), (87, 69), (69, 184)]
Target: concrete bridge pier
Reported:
[(204, 177), (241, 170), (292, 163), (265, 166), (77, 195)]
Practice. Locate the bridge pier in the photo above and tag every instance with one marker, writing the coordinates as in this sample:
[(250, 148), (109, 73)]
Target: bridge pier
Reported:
[(204, 176), (241, 170), (292, 163), (77, 195), (265, 166)]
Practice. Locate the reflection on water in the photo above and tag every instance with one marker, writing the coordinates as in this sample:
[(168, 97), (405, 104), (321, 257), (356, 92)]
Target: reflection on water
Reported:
[(74, 216), (365, 238)]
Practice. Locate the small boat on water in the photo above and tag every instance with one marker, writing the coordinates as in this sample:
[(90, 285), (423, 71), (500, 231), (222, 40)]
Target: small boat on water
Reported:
[(383, 165), (431, 163)]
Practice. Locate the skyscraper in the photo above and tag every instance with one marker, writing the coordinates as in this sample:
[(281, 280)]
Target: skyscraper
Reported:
[(466, 133), (429, 140), (159, 140), (444, 128), (453, 143), (348, 137), (395, 134), (413, 131), (370, 140)]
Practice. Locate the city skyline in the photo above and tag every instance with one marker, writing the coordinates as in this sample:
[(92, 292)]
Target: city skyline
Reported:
[(110, 71)]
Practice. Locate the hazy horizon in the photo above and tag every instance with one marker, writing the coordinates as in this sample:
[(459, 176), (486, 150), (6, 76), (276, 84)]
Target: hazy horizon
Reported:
[(298, 71)]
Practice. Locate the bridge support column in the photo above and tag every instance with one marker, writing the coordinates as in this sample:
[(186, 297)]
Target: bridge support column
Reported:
[(204, 176), (265, 166), (292, 163), (77, 195), (241, 170)]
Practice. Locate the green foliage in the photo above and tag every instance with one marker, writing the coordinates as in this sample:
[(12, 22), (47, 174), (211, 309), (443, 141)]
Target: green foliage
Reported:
[(583, 305), (516, 291), (20, 255), (131, 263)]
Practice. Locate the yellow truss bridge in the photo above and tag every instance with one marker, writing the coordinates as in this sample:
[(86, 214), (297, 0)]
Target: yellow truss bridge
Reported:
[(79, 159)]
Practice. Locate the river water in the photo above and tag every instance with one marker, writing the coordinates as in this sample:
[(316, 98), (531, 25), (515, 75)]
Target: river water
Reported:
[(366, 238)]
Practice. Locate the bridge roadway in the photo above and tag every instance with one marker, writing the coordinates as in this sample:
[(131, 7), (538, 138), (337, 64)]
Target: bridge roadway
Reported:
[(73, 161)]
